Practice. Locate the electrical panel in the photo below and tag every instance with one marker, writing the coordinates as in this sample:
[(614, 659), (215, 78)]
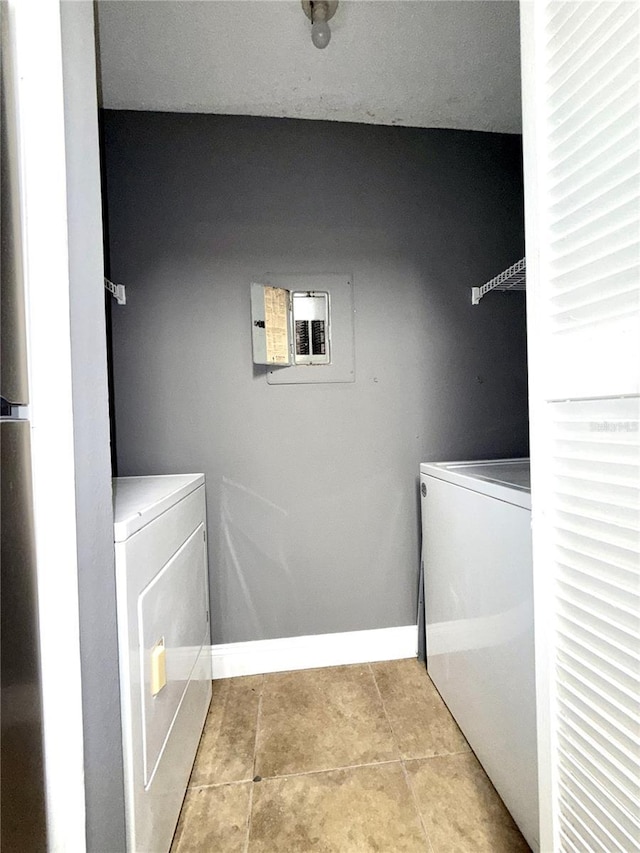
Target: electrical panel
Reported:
[(290, 327)]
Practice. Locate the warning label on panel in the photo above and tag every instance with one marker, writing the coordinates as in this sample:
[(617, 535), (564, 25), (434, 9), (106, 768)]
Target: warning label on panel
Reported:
[(276, 316)]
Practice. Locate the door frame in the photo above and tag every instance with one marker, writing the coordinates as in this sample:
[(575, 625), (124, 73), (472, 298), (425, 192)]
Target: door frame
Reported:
[(36, 50)]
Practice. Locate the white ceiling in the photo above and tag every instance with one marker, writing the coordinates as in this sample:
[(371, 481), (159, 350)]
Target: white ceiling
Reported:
[(420, 63)]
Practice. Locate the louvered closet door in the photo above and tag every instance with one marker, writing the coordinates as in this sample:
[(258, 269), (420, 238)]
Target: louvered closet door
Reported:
[(581, 94)]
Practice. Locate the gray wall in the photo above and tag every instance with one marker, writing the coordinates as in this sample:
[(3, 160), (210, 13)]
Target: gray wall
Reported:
[(104, 786), (312, 490)]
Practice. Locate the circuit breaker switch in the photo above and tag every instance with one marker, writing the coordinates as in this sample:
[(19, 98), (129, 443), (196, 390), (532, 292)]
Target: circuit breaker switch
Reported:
[(318, 337), (311, 323), (302, 337), (158, 667)]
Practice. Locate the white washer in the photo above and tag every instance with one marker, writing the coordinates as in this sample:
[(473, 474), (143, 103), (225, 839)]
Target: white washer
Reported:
[(478, 591), (162, 597)]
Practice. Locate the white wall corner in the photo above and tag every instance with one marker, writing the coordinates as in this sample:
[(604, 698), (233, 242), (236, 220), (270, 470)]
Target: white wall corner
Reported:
[(288, 653)]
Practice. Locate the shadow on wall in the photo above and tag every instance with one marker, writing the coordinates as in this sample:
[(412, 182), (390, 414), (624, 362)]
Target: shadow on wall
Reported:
[(257, 538), (252, 553)]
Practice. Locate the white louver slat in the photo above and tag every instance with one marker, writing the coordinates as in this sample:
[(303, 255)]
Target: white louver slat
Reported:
[(596, 520), (592, 182), (581, 92)]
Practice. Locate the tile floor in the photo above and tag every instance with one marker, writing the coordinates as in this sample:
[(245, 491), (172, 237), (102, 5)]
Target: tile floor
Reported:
[(339, 760)]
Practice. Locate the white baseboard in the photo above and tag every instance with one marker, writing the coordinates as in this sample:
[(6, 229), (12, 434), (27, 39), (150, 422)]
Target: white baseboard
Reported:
[(287, 653)]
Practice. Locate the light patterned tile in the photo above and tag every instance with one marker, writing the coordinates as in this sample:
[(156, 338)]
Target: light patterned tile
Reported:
[(227, 745), (318, 719), (460, 808), (214, 820), (421, 722), (356, 810)]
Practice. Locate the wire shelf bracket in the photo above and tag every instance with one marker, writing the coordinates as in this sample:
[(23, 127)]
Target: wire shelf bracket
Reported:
[(514, 278), (116, 290)]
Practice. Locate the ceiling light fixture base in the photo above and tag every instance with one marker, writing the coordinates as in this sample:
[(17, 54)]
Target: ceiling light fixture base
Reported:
[(331, 5)]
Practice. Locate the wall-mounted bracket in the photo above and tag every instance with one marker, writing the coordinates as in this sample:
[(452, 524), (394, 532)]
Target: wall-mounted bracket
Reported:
[(513, 278), (116, 290)]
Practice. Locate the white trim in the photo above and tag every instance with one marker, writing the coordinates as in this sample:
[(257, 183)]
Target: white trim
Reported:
[(286, 653), (43, 191), (533, 92)]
